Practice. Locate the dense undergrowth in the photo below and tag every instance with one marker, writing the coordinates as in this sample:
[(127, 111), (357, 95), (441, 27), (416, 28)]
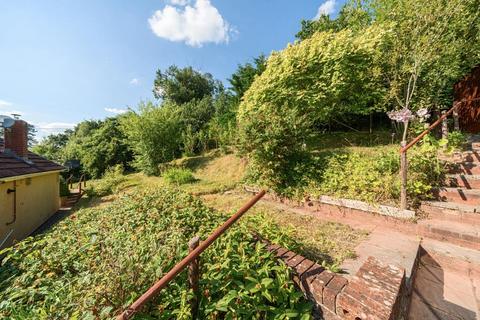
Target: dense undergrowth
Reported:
[(99, 260), (362, 173)]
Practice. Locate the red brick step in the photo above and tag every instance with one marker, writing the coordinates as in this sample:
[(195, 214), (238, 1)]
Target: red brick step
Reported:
[(449, 211), (461, 234), (463, 181), (466, 168), (458, 195)]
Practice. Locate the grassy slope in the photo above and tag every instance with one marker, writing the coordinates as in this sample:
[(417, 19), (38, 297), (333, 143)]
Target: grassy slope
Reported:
[(219, 185)]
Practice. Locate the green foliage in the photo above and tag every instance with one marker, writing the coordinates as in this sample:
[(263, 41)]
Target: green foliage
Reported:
[(98, 145), (110, 182), (98, 261), (178, 176), (456, 141), (243, 77), (182, 85), (356, 175), (64, 190), (353, 15), (373, 176), (154, 135), (434, 44), (52, 146), (307, 84), (425, 170)]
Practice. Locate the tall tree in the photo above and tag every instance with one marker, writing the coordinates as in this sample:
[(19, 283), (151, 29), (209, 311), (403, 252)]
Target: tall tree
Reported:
[(433, 43), (245, 74), (354, 15), (182, 85)]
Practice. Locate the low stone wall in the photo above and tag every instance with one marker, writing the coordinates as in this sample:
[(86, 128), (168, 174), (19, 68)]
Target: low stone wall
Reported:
[(328, 201), (374, 293)]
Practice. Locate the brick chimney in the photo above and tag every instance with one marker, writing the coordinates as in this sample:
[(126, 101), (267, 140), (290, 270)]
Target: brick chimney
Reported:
[(16, 139)]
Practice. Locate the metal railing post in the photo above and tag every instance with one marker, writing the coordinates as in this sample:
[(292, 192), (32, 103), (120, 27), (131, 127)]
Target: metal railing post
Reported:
[(403, 177), (456, 122), (444, 126), (194, 277)]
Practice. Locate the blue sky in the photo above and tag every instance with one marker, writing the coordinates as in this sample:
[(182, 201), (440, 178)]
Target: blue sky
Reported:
[(65, 61)]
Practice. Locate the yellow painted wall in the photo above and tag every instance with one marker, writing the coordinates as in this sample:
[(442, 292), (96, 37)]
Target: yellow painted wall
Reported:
[(37, 199)]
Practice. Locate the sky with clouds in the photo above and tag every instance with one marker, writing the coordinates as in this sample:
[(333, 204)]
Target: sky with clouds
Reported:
[(64, 61)]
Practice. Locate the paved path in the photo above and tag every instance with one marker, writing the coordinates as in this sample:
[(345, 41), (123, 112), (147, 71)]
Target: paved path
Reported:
[(447, 280)]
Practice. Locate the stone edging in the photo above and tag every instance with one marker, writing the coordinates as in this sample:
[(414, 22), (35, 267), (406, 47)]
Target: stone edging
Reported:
[(346, 203)]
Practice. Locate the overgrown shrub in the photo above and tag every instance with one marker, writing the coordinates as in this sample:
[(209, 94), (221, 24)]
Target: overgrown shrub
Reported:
[(97, 262), (357, 175), (374, 176), (308, 83), (110, 182), (178, 176), (154, 135)]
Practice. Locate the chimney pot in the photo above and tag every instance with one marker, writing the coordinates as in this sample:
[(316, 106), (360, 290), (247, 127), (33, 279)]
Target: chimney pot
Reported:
[(16, 139)]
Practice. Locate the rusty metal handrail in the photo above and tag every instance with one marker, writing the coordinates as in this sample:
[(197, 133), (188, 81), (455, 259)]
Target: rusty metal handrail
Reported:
[(82, 180), (434, 125), (69, 181), (163, 282)]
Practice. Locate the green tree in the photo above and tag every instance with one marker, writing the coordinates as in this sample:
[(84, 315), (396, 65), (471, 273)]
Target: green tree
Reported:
[(433, 44), (154, 135), (52, 146), (354, 15), (98, 145), (245, 74), (182, 85), (329, 74)]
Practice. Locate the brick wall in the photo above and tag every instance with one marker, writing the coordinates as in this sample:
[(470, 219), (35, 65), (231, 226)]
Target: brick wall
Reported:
[(374, 293)]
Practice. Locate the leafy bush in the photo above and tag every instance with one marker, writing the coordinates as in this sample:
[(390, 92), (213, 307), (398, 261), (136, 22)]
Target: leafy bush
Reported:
[(179, 176), (153, 135), (98, 261), (456, 141), (110, 182), (357, 175), (374, 176), (306, 84)]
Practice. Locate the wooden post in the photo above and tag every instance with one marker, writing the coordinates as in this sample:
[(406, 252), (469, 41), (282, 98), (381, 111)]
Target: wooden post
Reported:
[(194, 277), (444, 127), (403, 177)]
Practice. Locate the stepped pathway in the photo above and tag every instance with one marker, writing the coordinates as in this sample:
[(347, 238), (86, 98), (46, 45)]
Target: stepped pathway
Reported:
[(72, 199), (455, 216), (447, 283)]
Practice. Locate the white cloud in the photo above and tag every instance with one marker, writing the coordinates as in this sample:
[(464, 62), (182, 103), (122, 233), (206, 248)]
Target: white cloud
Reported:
[(134, 81), (5, 104), (195, 25), (47, 128), (116, 111), (179, 2), (326, 8), (55, 125)]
